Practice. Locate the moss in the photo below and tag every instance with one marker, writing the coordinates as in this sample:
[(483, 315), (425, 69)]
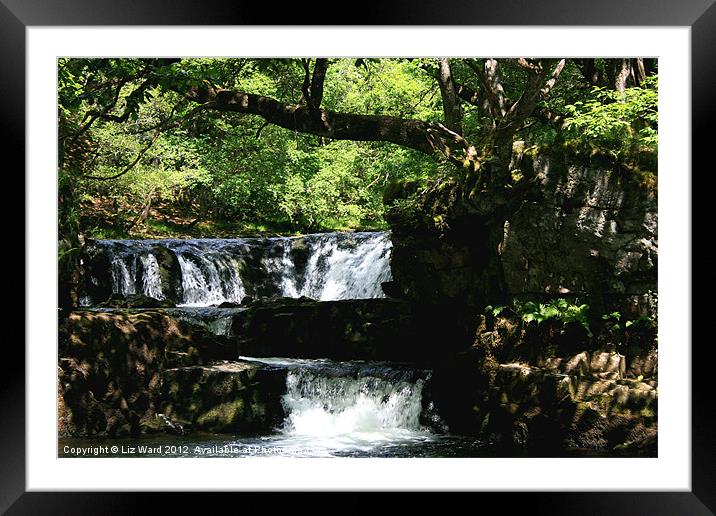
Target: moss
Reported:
[(648, 180), (647, 412), (223, 414)]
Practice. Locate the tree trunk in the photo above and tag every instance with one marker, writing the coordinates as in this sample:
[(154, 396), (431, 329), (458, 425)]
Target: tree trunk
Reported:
[(622, 75), (639, 71), (319, 76), (451, 107)]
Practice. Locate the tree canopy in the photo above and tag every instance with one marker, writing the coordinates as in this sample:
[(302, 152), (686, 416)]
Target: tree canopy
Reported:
[(279, 145)]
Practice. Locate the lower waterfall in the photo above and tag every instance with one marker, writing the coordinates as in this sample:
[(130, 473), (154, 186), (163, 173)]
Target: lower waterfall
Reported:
[(350, 406)]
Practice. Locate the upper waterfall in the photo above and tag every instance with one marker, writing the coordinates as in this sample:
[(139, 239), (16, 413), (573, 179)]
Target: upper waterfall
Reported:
[(205, 272)]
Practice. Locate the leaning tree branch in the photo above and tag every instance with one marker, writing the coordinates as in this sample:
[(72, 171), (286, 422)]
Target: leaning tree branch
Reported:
[(549, 84), (409, 133)]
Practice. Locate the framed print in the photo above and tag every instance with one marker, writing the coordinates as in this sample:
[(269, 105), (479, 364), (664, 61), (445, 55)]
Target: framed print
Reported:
[(416, 253)]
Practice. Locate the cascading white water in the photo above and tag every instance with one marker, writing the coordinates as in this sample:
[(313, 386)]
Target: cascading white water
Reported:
[(343, 406), (348, 273), (329, 266), (151, 281), (323, 406), (208, 280), (123, 276)]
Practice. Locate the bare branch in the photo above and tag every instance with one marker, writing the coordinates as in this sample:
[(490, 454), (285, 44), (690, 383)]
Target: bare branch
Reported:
[(144, 150), (131, 165), (491, 83), (528, 64), (544, 91), (305, 93), (258, 132)]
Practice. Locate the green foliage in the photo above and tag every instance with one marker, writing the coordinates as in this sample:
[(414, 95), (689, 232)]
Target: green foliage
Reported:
[(231, 168), (613, 320), (557, 309), (495, 310), (214, 169), (642, 321), (621, 124)]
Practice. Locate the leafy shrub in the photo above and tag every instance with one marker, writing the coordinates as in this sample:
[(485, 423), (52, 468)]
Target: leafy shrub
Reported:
[(559, 310), (621, 124)]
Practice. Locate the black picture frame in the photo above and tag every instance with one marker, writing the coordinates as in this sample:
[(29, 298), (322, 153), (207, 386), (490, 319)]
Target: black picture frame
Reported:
[(17, 15)]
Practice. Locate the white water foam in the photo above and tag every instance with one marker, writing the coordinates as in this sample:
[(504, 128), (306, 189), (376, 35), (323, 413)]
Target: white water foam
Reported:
[(151, 281), (337, 266), (210, 279), (351, 406)]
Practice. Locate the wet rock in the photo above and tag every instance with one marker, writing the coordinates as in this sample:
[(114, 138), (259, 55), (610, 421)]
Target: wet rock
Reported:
[(169, 273), (96, 271), (229, 304), (390, 289), (300, 253), (543, 409), (232, 397), (135, 301)]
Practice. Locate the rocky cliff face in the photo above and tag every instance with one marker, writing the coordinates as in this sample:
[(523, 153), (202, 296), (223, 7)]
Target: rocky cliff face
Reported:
[(576, 229), (592, 232)]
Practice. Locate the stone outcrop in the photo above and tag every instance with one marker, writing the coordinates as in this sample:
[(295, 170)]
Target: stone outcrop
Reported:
[(591, 233), (111, 363), (229, 397), (570, 229), (525, 386), (359, 329)]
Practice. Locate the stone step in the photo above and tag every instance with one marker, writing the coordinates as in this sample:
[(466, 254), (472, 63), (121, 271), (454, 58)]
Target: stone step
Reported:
[(609, 365), (520, 384), (357, 329), (230, 397)]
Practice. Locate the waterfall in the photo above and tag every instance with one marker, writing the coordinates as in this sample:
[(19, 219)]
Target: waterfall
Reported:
[(151, 281), (283, 268), (328, 266), (350, 405), (345, 272), (318, 405), (208, 280)]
